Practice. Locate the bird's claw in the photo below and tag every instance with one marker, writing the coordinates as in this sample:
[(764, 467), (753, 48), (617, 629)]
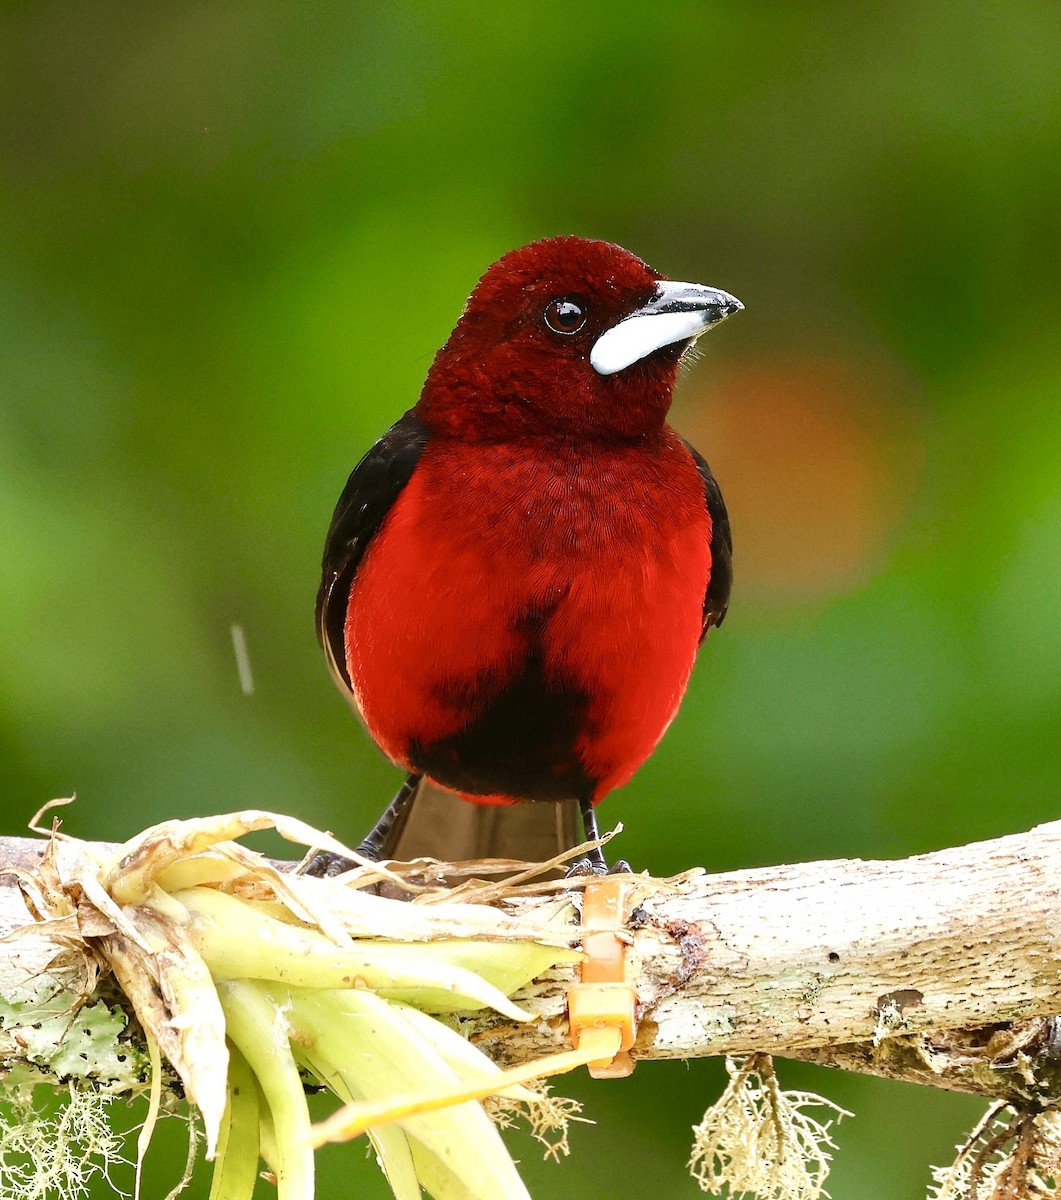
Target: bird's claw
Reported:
[(326, 865), (597, 867)]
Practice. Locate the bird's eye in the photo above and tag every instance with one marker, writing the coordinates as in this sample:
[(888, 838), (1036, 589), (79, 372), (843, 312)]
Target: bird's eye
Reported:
[(565, 316)]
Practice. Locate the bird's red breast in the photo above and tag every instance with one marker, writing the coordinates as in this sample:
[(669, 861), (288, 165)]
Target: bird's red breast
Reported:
[(582, 565)]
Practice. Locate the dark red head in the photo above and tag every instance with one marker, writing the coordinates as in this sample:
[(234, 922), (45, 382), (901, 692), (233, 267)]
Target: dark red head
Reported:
[(567, 335)]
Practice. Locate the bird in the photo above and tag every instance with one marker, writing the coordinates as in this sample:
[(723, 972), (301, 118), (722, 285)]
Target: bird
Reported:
[(519, 573)]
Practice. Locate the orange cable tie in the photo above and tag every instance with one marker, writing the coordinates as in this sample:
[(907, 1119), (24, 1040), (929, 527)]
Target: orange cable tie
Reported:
[(601, 1007)]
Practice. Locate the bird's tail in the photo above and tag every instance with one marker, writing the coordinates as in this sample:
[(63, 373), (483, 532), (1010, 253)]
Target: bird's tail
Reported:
[(437, 823)]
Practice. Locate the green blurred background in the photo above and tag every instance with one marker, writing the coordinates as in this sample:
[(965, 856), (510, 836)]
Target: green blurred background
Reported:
[(233, 235)]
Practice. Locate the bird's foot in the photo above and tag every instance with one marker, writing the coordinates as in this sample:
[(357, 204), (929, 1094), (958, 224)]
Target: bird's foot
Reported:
[(326, 865), (597, 866)]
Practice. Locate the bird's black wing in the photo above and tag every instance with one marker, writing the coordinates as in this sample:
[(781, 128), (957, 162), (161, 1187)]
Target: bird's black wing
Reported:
[(716, 598), (374, 485)]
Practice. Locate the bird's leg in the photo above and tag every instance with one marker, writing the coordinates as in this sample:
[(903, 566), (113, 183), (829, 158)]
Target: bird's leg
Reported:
[(594, 863), (595, 858), (326, 863), (393, 814)]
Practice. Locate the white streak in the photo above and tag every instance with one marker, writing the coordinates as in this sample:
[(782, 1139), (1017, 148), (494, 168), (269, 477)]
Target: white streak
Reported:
[(243, 660)]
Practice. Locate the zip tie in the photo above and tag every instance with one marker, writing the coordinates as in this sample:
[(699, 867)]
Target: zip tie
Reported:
[(601, 1007)]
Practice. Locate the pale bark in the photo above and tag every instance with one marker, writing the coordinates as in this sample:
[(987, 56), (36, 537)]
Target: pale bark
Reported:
[(939, 969)]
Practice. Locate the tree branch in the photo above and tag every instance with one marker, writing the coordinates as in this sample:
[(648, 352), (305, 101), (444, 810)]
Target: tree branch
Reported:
[(940, 969)]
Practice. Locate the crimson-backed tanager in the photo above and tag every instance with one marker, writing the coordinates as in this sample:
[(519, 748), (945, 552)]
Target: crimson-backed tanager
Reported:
[(519, 573)]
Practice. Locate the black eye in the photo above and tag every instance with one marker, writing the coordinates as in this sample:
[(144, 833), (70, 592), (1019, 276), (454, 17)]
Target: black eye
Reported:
[(564, 316)]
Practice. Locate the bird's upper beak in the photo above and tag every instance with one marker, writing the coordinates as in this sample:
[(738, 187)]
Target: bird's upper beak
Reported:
[(679, 312)]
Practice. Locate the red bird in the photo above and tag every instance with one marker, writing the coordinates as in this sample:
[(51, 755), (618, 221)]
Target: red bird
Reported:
[(519, 573)]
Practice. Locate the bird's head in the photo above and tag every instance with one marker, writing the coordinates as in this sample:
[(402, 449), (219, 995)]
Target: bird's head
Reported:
[(567, 335)]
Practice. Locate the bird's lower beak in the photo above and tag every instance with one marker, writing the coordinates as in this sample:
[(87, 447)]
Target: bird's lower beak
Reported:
[(679, 312)]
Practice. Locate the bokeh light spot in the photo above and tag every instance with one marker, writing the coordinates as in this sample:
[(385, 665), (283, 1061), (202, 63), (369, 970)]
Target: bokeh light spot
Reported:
[(816, 461)]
